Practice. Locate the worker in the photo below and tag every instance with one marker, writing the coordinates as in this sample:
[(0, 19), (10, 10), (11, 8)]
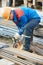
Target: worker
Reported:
[(26, 20)]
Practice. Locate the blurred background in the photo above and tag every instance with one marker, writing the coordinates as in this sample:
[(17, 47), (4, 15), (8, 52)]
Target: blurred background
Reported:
[(36, 4)]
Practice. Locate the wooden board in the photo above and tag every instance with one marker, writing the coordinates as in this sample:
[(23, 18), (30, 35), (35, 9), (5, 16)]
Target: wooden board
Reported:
[(38, 32), (6, 23), (37, 45), (5, 62), (23, 54)]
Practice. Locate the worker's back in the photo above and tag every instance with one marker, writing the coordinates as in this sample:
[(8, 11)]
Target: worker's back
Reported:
[(30, 13)]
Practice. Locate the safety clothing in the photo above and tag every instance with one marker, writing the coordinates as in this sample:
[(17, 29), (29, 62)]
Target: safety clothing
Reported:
[(16, 36), (22, 15), (26, 19), (28, 31)]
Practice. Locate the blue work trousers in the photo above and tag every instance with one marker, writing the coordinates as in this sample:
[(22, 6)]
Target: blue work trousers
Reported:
[(28, 30)]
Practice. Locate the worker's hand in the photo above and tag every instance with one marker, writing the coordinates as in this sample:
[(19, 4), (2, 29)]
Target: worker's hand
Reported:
[(16, 36)]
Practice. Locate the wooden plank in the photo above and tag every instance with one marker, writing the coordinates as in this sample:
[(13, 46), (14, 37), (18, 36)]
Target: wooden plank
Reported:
[(6, 62), (38, 44), (8, 23), (27, 55), (37, 40), (37, 49), (38, 32), (14, 59)]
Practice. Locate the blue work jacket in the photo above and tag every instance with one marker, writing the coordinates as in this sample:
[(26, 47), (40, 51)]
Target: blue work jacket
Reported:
[(22, 15)]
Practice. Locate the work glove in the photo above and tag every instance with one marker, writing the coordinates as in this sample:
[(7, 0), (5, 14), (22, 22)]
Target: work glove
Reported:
[(16, 36), (17, 43)]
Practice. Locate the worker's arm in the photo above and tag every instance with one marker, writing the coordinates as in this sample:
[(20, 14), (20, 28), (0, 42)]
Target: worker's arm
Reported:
[(23, 20)]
